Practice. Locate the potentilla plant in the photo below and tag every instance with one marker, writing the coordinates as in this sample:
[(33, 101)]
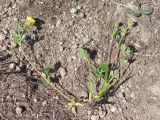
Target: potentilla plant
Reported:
[(19, 36)]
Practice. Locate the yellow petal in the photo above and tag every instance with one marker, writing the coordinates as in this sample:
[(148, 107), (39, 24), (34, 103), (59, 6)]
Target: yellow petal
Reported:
[(30, 21)]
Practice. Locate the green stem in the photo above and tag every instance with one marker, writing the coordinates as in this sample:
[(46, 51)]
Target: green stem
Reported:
[(60, 92), (33, 66)]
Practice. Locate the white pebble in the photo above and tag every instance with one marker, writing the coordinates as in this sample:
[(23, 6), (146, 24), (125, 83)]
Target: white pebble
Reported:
[(2, 37), (113, 109), (12, 66), (73, 10), (19, 110)]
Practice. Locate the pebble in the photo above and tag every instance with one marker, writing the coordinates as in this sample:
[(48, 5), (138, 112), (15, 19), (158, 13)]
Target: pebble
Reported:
[(62, 72), (102, 114), (82, 14), (44, 103), (35, 100), (5, 48), (74, 110), (84, 94), (5, 31), (113, 109), (19, 110), (18, 68), (12, 66), (2, 37), (73, 10), (95, 117)]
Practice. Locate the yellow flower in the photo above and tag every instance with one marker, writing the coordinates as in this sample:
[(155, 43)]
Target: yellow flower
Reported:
[(30, 21)]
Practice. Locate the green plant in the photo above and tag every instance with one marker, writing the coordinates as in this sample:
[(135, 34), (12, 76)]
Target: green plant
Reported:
[(84, 53), (19, 35), (19, 38), (101, 74), (120, 34)]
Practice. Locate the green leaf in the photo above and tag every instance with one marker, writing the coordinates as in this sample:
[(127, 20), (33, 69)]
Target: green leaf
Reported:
[(118, 38), (116, 24), (47, 79), (123, 48), (104, 69), (84, 53), (102, 91), (91, 88), (46, 69), (96, 73), (129, 50), (123, 61), (124, 32), (130, 23), (45, 74)]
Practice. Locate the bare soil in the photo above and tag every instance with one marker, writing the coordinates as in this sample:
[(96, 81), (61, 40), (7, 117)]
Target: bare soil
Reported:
[(65, 26)]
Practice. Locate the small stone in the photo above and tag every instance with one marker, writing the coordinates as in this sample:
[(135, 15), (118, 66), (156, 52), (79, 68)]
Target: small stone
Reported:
[(102, 114), (82, 15), (89, 112), (2, 37), (58, 23), (79, 7), (120, 109), (132, 95), (57, 97), (5, 31), (15, 20), (20, 109), (74, 110), (44, 103), (35, 100), (95, 117), (5, 48), (62, 72), (113, 109), (84, 94), (18, 68), (73, 10), (12, 66)]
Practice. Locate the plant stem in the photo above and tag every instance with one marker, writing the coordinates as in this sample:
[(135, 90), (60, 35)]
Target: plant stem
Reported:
[(60, 92), (33, 66)]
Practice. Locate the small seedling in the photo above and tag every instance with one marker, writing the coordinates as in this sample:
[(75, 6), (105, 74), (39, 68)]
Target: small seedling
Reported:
[(84, 53), (119, 36), (45, 74), (101, 74), (19, 35)]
